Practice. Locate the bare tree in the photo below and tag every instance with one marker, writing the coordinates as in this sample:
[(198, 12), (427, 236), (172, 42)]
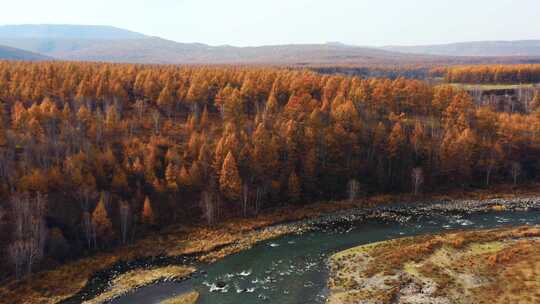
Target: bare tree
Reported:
[(417, 177), (208, 206), (353, 189), (156, 118), (140, 106), (515, 170), (86, 196), (29, 233), (17, 255), (259, 196), (245, 199), (89, 231), (489, 168), (125, 220)]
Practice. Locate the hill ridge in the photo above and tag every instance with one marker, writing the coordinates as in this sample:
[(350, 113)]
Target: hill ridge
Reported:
[(10, 53), (113, 44)]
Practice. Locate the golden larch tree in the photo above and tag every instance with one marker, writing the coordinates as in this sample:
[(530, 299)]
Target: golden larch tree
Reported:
[(229, 181), (147, 216), (101, 223)]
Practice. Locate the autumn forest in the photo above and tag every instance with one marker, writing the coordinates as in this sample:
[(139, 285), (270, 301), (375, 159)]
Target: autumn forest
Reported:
[(95, 155)]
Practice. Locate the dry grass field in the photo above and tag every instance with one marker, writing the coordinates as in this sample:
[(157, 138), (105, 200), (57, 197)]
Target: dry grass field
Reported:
[(487, 266)]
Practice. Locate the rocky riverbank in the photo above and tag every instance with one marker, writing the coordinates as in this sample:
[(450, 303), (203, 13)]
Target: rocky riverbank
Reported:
[(189, 246), (399, 212), (402, 212)]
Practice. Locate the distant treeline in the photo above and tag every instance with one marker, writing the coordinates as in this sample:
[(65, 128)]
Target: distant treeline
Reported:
[(409, 72), (491, 74), (470, 74)]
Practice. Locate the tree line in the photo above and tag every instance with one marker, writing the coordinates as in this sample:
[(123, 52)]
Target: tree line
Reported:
[(490, 74), (94, 155)]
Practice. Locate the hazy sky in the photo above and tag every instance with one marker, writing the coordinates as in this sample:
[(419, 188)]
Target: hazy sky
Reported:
[(258, 22)]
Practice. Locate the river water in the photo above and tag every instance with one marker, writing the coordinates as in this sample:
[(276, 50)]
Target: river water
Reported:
[(292, 269)]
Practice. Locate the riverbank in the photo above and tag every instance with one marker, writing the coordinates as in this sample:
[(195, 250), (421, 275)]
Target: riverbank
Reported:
[(141, 277), (88, 276), (486, 266)]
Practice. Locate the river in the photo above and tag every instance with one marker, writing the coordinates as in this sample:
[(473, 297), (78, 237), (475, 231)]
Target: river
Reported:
[(292, 269)]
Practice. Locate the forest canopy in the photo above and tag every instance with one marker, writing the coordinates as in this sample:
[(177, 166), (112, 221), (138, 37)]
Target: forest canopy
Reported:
[(491, 74), (92, 155)]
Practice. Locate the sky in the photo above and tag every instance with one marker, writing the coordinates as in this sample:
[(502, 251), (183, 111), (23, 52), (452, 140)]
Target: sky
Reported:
[(267, 22)]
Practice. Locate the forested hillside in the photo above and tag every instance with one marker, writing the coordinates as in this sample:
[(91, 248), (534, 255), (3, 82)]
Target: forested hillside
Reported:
[(93, 155)]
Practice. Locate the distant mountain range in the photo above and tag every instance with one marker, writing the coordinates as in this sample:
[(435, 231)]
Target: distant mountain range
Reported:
[(480, 48), (103, 43), (110, 44)]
